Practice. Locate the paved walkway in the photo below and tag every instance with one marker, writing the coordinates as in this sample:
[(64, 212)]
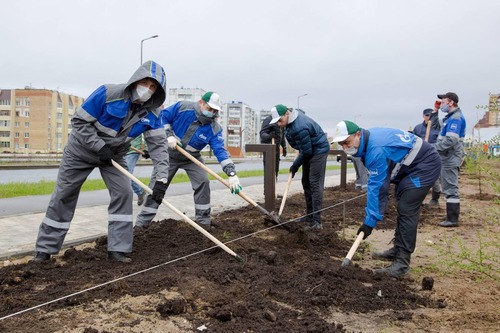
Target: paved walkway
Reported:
[(18, 233)]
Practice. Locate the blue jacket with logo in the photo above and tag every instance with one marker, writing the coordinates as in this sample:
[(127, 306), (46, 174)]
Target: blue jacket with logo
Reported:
[(394, 156), (449, 143), (108, 117), (195, 131)]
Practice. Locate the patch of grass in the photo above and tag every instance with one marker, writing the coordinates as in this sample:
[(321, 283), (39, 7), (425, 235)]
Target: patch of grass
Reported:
[(44, 187)]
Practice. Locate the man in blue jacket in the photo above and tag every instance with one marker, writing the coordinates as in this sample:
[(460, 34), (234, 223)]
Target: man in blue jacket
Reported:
[(450, 146), (392, 156), (102, 129), (306, 136), (193, 126)]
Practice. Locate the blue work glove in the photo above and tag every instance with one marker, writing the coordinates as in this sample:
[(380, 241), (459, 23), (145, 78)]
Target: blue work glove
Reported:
[(146, 155), (105, 155), (367, 230), (159, 191), (293, 170)]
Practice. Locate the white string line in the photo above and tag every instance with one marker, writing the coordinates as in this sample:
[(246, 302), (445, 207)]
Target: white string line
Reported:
[(168, 262)]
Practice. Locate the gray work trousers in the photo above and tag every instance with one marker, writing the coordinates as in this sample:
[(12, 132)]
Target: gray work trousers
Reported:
[(73, 172), (313, 183), (449, 183), (201, 187), (361, 173)]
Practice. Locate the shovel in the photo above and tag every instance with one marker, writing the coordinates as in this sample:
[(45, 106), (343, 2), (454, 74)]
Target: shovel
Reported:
[(219, 178), (285, 194), (178, 212), (354, 247)]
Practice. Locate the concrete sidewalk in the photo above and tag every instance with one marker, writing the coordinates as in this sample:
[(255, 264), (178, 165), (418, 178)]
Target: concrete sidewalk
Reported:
[(18, 233)]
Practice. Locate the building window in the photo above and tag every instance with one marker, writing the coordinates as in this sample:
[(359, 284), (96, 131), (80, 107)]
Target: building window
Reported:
[(18, 124), (26, 135), (4, 101), (27, 124), (5, 144), (5, 123), (26, 145), (16, 135), (4, 134), (4, 112)]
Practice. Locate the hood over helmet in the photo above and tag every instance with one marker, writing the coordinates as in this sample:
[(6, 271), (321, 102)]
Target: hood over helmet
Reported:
[(153, 70)]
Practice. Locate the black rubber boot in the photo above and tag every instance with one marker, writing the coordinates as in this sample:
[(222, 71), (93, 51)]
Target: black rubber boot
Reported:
[(452, 213), (435, 199), (118, 256), (388, 255), (41, 256), (399, 267)]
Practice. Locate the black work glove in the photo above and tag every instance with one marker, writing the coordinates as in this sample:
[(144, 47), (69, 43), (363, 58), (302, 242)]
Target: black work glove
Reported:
[(146, 155), (159, 192), (284, 152), (293, 170), (105, 155), (367, 230), (272, 135)]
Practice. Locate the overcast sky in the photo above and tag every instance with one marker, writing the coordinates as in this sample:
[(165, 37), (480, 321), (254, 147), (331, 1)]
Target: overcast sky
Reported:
[(379, 63)]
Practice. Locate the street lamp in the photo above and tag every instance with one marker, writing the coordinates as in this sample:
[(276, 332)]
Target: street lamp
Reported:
[(142, 41), (298, 100)]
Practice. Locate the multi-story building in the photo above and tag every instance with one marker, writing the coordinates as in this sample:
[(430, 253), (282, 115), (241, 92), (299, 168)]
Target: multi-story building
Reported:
[(242, 126), (184, 94), (35, 120)]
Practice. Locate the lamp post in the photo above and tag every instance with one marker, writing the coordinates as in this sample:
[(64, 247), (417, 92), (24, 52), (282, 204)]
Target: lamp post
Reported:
[(298, 100), (142, 41)]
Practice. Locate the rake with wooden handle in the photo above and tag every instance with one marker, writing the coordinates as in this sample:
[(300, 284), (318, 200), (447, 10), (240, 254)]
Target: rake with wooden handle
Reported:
[(178, 212)]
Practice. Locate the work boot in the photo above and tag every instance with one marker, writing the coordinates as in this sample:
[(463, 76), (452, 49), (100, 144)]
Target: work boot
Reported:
[(140, 198), (452, 213), (435, 199), (314, 226), (118, 256), (388, 255), (41, 256), (399, 267)]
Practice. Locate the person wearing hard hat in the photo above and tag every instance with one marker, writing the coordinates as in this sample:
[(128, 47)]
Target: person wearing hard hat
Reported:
[(306, 136), (102, 129), (193, 126), (398, 157)]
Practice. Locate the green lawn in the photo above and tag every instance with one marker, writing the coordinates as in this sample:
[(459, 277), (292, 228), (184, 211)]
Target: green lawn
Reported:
[(19, 189)]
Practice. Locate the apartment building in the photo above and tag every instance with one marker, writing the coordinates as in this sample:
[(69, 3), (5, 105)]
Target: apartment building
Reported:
[(35, 120), (242, 126), (184, 94)]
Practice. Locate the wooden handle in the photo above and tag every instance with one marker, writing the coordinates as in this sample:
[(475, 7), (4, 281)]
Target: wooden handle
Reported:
[(285, 194), (428, 130), (137, 150), (354, 246)]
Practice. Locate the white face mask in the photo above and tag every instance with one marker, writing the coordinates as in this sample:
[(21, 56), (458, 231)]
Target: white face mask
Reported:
[(142, 94), (351, 151)]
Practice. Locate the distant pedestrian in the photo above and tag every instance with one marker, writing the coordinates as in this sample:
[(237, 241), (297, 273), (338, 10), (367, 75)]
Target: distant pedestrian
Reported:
[(102, 129), (271, 133), (450, 146), (193, 125), (306, 136), (132, 157), (398, 157)]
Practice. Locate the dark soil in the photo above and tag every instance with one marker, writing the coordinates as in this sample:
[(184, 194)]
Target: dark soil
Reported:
[(289, 281)]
